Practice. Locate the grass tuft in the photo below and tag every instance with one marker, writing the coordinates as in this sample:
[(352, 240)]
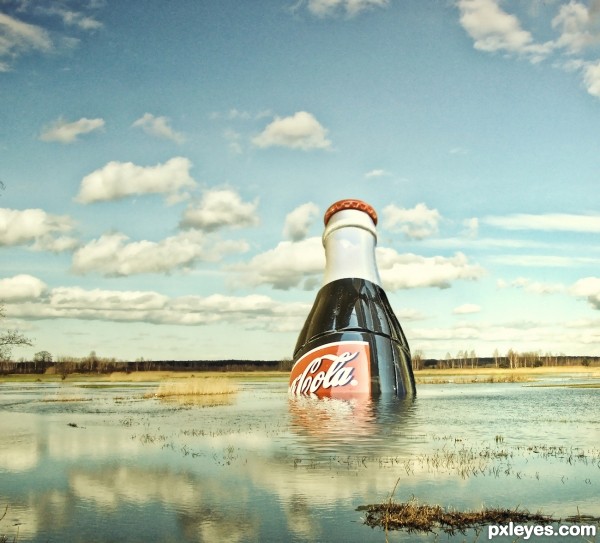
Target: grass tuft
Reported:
[(415, 517)]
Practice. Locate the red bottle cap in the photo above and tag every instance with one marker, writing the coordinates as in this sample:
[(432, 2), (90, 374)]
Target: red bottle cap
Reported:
[(350, 203)]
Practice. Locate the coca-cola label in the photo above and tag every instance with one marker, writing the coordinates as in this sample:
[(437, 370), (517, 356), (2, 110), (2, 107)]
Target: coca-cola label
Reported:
[(333, 370)]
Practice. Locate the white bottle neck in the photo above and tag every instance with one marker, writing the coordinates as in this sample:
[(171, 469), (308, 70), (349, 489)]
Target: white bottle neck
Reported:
[(349, 239)]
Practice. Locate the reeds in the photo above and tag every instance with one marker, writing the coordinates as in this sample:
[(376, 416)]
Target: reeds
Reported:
[(194, 386)]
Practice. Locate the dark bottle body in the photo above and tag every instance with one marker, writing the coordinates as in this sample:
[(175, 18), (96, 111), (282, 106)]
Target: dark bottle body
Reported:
[(354, 309)]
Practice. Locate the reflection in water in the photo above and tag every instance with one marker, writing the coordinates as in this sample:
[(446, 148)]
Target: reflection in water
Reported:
[(272, 468), (361, 423)]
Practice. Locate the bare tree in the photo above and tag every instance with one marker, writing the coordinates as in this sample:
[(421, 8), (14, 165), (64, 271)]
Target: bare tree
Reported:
[(9, 339), (417, 360)]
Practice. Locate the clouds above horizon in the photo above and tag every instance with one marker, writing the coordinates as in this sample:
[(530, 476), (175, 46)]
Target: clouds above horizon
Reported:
[(18, 38), (62, 131), (37, 229), (299, 131), (220, 208), (417, 223), (31, 299), (546, 221), (117, 180), (349, 8), (495, 30), (114, 255), (159, 127)]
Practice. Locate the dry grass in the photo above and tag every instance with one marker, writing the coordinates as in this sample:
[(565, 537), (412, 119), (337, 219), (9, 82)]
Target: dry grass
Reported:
[(414, 517), (195, 386), (496, 378)]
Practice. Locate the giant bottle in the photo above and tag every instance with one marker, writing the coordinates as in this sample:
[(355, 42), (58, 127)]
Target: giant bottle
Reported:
[(351, 343)]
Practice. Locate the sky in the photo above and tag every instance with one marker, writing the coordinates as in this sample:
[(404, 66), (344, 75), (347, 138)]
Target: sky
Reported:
[(165, 172)]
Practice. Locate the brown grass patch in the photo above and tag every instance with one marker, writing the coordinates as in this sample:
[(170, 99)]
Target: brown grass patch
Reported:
[(194, 386), (414, 517)]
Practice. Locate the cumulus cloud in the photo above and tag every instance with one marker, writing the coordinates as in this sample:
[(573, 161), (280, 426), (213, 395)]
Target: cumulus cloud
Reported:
[(118, 180), (159, 127), (299, 221), (417, 223), (18, 38), (301, 264), (66, 132), (252, 311), (34, 227), (404, 271), (288, 265), (466, 309), (588, 288), (20, 288), (549, 222), (114, 255), (299, 131), (220, 208), (578, 25), (328, 8), (492, 30)]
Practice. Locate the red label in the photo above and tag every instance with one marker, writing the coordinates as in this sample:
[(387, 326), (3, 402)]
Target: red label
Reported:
[(333, 370)]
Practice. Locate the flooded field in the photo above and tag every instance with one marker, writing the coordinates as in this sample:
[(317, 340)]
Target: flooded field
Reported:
[(100, 462)]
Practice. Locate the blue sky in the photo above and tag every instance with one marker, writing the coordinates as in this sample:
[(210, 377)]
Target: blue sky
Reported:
[(166, 171)]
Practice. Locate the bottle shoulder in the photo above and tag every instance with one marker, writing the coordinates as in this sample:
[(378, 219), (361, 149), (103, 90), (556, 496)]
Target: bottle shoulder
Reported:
[(351, 304)]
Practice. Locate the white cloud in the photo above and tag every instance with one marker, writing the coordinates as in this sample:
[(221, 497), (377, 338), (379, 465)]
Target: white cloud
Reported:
[(550, 261), (72, 18), (286, 266), (220, 208), (299, 131), (18, 38), (114, 255), (589, 288), (327, 8), (416, 223), (548, 222), (299, 221), (578, 25), (20, 288), (471, 227), (404, 271), (65, 132), (536, 287), (158, 127), (34, 226), (376, 173), (591, 78), (466, 309), (492, 29), (251, 312), (117, 180)]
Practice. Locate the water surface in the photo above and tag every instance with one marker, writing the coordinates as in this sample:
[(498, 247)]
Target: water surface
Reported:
[(85, 464)]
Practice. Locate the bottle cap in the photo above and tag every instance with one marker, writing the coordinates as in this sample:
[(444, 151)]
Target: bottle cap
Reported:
[(350, 203)]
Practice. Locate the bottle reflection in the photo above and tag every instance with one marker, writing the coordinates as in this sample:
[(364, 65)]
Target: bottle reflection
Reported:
[(361, 422)]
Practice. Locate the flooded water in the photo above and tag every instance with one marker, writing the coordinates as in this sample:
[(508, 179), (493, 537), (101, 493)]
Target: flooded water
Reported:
[(82, 463)]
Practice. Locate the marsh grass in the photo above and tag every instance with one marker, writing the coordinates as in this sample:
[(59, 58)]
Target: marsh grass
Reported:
[(415, 517), (194, 386), (495, 378), (65, 399)]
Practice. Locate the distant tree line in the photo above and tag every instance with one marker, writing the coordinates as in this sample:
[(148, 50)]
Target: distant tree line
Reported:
[(93, 364), (511, 360)]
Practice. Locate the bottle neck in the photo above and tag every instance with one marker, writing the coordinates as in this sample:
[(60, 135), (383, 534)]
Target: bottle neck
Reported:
[(349, 240)]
